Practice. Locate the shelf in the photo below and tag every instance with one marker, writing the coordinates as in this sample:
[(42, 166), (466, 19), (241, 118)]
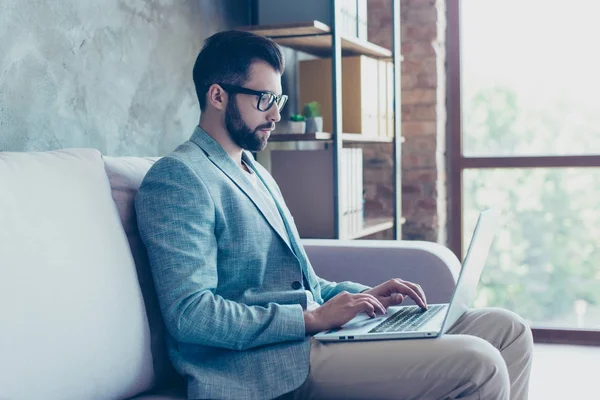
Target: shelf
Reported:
[(315, 38), (359, 138), (325, 136), (374, 225), (287, 30), (300, 137)]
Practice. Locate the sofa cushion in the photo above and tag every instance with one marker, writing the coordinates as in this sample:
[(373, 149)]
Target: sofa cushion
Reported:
[(125, 175), (73, 321)]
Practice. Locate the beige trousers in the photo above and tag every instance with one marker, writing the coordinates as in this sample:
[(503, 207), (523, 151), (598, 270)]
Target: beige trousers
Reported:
[(486, 355)]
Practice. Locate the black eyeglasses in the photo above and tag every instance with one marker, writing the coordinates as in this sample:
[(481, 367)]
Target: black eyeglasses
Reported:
[(265, 99)]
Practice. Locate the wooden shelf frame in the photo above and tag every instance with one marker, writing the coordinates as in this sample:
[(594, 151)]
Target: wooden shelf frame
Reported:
[(315, 37), (326, 136), (374, 225)]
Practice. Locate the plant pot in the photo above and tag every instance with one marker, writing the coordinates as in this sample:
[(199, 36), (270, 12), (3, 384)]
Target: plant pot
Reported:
[(314, 124), (297, 126)]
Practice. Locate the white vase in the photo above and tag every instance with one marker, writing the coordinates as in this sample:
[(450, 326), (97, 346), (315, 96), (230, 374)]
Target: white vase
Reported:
[(314, 124), (297, 126)]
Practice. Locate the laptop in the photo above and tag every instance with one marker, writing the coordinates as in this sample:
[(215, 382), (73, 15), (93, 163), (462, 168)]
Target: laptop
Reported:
[(411, 322)]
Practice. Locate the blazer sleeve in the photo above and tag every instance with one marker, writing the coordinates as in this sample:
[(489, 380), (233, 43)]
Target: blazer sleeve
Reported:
[(176, 221), (330, 289)]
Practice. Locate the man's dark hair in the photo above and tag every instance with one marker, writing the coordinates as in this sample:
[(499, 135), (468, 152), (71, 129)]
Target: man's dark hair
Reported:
[(227, 56)]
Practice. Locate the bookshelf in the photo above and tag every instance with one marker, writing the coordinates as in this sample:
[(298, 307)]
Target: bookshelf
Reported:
[(309, 167)]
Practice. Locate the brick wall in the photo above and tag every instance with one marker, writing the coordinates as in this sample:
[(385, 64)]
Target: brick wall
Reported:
[(423, 26)]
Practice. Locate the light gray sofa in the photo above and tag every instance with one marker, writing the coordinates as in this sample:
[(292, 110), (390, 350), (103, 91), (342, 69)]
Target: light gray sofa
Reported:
[(78, 312)]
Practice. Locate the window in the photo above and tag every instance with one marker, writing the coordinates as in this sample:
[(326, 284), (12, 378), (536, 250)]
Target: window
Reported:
[(524, 137)]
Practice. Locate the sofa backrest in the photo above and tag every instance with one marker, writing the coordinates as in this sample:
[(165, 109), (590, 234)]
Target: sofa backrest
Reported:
[(73, 321), (125, 176)]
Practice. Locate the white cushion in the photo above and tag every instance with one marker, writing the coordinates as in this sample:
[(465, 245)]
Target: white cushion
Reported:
[(72, 317)]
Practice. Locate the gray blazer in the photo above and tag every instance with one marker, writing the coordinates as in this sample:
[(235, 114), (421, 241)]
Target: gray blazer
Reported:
[(228, 283)]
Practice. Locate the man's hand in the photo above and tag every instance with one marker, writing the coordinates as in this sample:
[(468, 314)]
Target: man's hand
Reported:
[(392, 293), (341, 309)]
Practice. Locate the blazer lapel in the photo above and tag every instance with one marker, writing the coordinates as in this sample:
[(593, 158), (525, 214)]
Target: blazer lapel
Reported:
[(285, 216), (225, 163)]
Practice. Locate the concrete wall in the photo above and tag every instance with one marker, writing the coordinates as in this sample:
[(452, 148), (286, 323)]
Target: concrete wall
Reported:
[(115, 75)]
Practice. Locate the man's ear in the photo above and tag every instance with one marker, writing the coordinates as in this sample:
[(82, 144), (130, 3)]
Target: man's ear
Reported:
[(217, 97)]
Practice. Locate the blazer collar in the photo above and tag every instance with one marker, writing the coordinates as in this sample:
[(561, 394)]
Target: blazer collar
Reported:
[(225, 163)]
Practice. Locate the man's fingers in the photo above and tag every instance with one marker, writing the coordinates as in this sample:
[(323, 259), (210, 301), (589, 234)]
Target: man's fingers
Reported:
[(405, 289), (373, 300), (392, 300), (367, 307), (417, 288)]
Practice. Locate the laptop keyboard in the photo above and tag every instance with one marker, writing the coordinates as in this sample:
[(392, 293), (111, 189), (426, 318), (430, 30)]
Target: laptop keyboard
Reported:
[(408, 319)]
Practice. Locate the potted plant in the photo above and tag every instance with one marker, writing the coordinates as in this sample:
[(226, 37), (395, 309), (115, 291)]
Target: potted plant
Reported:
[(297, 123), (314, 120)]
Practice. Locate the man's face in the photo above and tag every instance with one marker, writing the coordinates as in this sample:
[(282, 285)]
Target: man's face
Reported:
[(249, 127)]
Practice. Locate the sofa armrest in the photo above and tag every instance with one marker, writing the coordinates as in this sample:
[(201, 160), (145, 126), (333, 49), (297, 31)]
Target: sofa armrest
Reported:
[(372, 262)]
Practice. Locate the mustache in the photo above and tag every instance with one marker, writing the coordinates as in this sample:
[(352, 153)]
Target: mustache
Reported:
[(270, 126)]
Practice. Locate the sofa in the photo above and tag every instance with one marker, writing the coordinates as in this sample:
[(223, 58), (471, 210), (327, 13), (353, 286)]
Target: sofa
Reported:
[(78, 312)]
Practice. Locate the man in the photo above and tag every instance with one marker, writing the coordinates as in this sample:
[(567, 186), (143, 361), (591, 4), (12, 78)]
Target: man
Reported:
[(237, 292)]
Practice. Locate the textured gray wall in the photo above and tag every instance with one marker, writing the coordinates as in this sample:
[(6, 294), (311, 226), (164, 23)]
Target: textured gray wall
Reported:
[(115, 75)]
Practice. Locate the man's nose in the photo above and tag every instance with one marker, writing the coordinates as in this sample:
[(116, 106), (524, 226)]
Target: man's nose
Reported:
[(274, 114)]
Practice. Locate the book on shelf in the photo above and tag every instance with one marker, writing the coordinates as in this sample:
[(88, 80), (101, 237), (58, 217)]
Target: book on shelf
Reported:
[(351, 195), (381, 98), (357, 193), (362, 15), (351, 185), (359, 190), (389, 117), (344, 201)]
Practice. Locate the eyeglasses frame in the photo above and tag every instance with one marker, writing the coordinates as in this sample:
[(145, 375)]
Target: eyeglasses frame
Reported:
[(259, 93)]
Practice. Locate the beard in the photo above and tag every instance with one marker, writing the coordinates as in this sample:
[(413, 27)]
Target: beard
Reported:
[(245, 137)]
